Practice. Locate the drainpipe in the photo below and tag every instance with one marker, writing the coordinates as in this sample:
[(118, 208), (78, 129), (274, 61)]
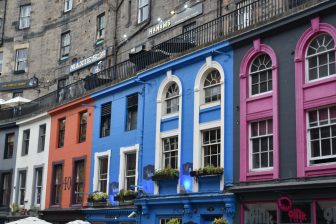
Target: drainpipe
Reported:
[(3, 24), (143, 94)]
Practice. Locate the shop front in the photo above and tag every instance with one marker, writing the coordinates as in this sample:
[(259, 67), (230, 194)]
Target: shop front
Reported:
[(111, 215), (288, 206)]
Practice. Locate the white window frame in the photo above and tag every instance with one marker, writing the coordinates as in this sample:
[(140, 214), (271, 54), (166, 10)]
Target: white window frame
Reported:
[(22, 188), (122, 165), (101, 27), (216, 143), (97, 156), (259, 136), (26, 17), (68, 5), (36, 187), (211, 86), (160, 106), (170, 99), (141, 7), (256, 72), (170, 151), (316, 55), (63, 47), (309, 154), (21, 60), (198, 106)]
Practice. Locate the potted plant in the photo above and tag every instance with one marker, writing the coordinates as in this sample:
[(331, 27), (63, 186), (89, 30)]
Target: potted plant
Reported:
[(125, 195), (207, 171), (220, 220), (33, 211), (174, 221), (15, 208), (165, 174), (98, 198)]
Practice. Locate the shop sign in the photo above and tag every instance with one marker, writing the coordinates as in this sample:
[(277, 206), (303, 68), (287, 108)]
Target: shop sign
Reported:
[(178, 18), (259, 215), (326, 212), (294, 213), (88, 61), (22, 84)]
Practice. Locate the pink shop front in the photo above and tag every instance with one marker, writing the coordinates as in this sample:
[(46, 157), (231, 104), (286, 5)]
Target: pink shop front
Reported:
[(290, 206)]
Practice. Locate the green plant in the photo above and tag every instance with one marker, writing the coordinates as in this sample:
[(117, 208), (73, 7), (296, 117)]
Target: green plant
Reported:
[(208, 170), (174, 221), (220, 220), (167, 172), (125, 194), (97, 196), (15, 208)]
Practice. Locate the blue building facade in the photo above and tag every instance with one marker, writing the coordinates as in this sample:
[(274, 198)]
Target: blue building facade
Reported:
[(177, 116)]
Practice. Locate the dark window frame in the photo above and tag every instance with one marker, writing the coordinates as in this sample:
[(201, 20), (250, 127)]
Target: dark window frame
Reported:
[(105, 119), (74, 184), (53, 186), (132, 112), (8, 189), (8, 155), (82, 127), (61, 133)]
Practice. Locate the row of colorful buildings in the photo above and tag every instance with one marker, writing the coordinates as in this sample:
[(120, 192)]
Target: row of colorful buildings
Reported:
[(248, 122)]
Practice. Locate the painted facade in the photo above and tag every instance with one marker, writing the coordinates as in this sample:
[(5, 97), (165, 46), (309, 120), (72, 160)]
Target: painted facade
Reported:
[(154, 124), (30, 176), (69, 159), (284, 143)]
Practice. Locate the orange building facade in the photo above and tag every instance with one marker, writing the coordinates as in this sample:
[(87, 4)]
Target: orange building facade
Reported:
[(70, 155)]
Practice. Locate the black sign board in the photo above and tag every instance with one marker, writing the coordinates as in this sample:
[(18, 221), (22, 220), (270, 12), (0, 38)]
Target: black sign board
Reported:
[(22, 84)]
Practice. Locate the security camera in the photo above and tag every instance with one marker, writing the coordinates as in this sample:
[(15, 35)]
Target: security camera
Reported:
[(132, 215)]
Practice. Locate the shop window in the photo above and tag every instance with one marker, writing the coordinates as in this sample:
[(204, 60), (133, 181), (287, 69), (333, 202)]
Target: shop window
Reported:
[(38, 186), (6, 180), (21, 60), (105, 120), (78, 185), (321, 135), (132, 112), (261, 75), (42, 138), (261, 145), (65, 45), (212, 84), (172, 99), (211, 147), (300, 212), (57, 184), (67, 5), (22, 187), (321, 58), (103, 174), (325, 212), (100, 27), (170, 152), (9, 146), (82, 126), (130, 172), (25, 11), (259, 213), (61, 132), (143, 10), (25, 142)]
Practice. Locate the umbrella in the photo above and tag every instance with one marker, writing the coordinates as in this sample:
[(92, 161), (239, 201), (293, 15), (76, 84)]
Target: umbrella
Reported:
[(78, 222), (30, 220), (2, 101), (16, 101)]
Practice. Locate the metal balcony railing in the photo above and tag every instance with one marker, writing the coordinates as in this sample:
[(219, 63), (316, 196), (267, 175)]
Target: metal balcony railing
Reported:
[(248, 15)]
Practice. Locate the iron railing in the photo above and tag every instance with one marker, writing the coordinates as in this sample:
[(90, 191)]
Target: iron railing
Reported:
[(249, 14)]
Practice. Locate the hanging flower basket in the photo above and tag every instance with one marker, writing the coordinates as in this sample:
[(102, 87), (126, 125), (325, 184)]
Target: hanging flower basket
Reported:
[(165, 174), (207, 171), (125, 195)]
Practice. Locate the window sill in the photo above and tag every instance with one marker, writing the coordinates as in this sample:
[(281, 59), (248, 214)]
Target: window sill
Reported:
[(24, 28), (259, 175), (316, 83), (208, 105), (63, 59), (167, 116), (18, 72), (321, 170), (99, 42), (259, 97)]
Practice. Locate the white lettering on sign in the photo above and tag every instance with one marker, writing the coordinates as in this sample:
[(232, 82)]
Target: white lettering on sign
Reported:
[(330, 215), (159, 27), (87, 61), (259, 215)]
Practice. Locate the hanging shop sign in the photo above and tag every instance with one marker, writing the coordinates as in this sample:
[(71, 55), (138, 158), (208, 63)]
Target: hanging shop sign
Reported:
[(88, 61), (178, 18), (22, 84)]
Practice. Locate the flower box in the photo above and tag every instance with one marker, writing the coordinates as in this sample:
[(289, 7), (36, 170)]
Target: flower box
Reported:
[(127, 195), (167, 174), (207, 171)]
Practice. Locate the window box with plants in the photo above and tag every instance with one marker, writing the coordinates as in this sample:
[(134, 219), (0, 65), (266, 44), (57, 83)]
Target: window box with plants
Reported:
[(174, 221), (165, 174), (98, 198), (207, 171), (125, 195), (220, 220)]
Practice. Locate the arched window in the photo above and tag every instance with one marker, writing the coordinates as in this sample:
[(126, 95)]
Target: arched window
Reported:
[(212, 91), (320, 57), (261, 75), (172, 98)]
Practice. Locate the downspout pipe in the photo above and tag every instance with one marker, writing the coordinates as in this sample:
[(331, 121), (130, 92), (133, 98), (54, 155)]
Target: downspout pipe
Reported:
[(3, 24)]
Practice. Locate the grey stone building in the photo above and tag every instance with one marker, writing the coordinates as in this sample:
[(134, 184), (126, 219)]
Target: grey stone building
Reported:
[(41, 41)]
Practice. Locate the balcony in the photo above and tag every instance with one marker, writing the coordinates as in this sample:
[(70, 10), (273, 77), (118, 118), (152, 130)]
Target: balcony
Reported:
[(248, 15)]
